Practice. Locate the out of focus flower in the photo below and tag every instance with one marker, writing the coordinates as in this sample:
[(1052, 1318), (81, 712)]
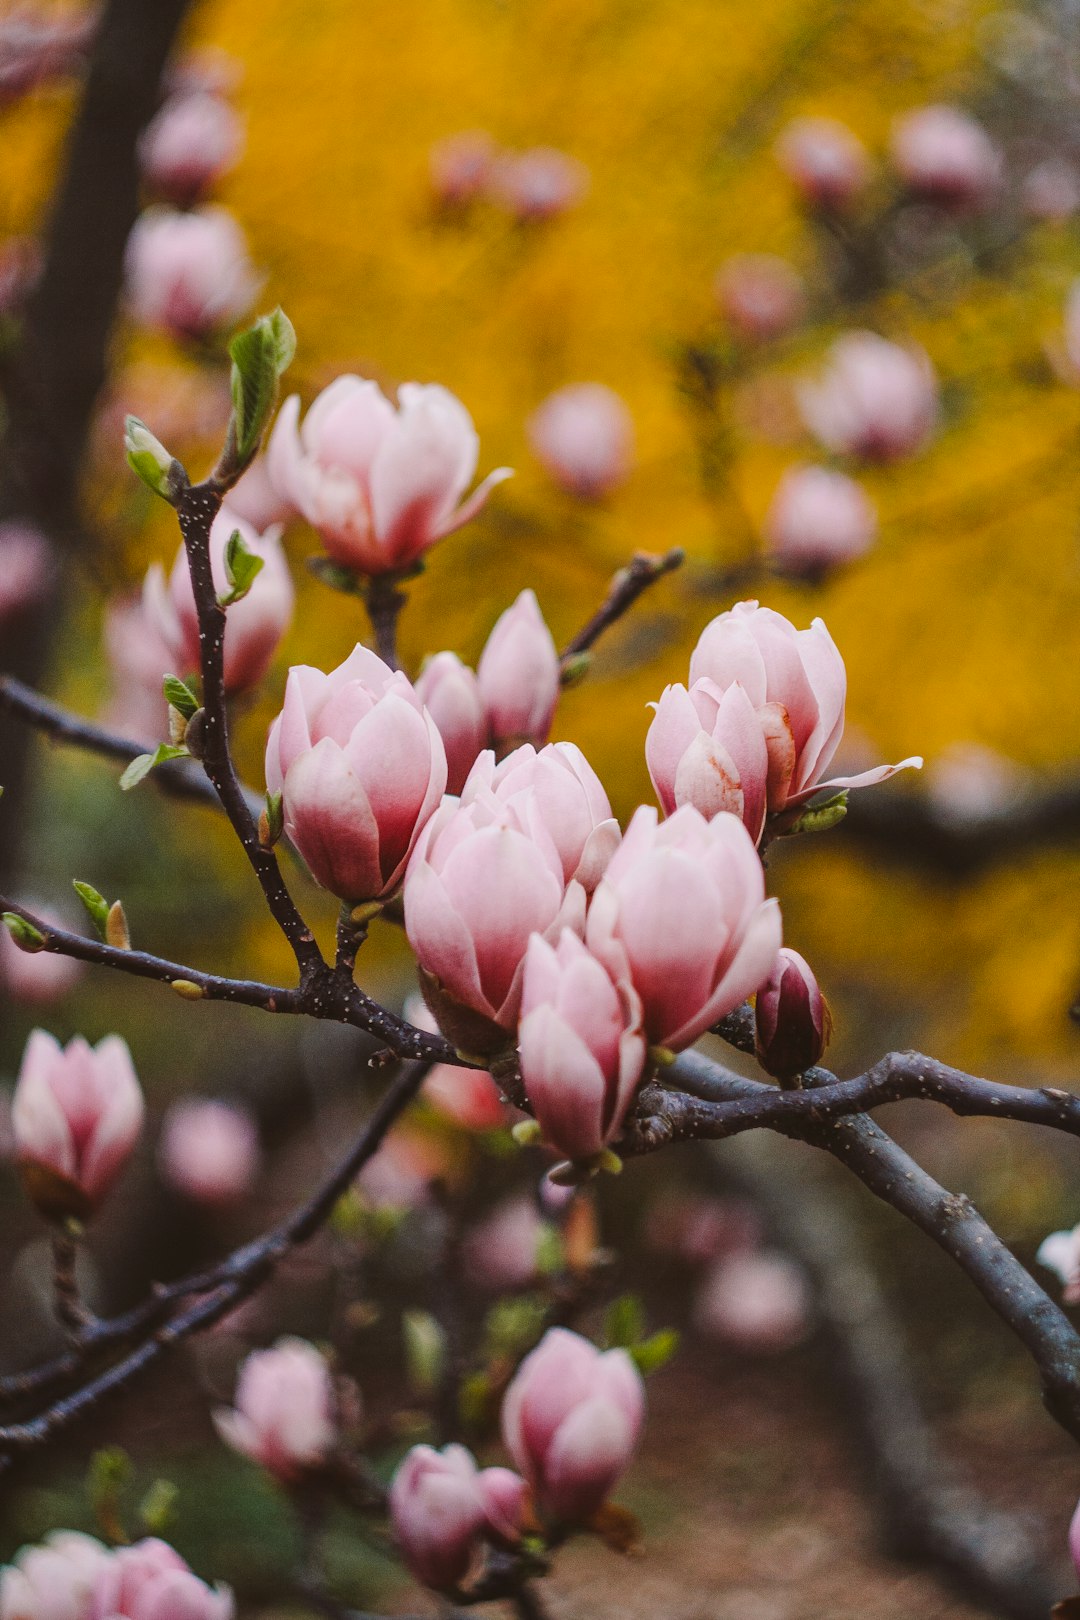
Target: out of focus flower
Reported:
[(284, 1412), (381, 485), (519, 675), (793, 1022), (754, 1302), (696, 1228), (254, 626), (1060, 1252), (818, 519), (875, 399), (209, 1151), (188, 274), (540, 183), (760, 295), (27, 568), (188, 145), (76, 1114), (468, 1097), (150, 1581), (583, 436), (255, 498), (943, 154), (1051, 191), (39, 45), (571, 1421), (399, 1175), (462, 167), (138, 658), (36, 977), (450, 693), (501, 1251), (55, 1580), (361, 769), (968, 783), (825, 161), (441, 1505), (568, 797)]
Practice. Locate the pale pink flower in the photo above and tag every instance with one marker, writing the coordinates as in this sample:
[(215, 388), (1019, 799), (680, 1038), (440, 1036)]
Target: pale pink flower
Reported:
[(793, 1022), (284, 1413), (254, 626), (150, 1581), (874, 399), (540, 183), (818, 519), (571, 1421), (381, 485), (442, 1506), (450, 693), (943, 154), (55, 1580), (1060, 1252), (501, 1251), (27, 568), (968, 783), (754, 1302), (468, 1097), (760, 295), (188, 274), (583, 436), (138, 660), (462, 167), (209, 1151), (825, 161), (76, 1114), (361, 769), (256, 499), (519, 675), (188, 145), (568, 795), (681, 915), (39, 45)]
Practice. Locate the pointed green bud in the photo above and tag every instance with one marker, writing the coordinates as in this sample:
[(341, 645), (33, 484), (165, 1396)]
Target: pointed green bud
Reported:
[(25, 935), (148, 457)]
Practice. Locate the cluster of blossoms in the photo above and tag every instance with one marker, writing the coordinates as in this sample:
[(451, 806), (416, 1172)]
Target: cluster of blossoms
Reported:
[(537, 184), (75, 1577)]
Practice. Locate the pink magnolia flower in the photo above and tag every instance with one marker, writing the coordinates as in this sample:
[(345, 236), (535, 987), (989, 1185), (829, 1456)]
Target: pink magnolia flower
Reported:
[(519, 675), (150, 1581), (681, 915), (254, 626), (818, 519), (209, 1151), (255, 498), (825, 161), (500, 1252), (361, 769), (442, 1505), (27, 568), (760, 295), (467, 1097), (1060, 1252), (53, 1581), (462, 167), (188, 145), (76, 1115), (571, 1420), (188, 274), (568, 796), (450, 693), (583, 436), (581, 1046), (138, 659), (793, 1022), (943, 154), (380, 485), (284, 1413), (875, 399), (540, 183), (485, 876), (754, 1302)]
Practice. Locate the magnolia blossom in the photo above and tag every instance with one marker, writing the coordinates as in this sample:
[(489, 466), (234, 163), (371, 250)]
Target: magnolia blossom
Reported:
[(519, 675), (754, 1302), (76, 1116), (284, 1412), (540, 183), (485, 876), (583, 436), (442, 1505), (462, 167), (818, 519), (827, 163), (501, 1251), (468, 1097), (138, 659), (150, 1581), (255, 498), (793, 1022), (209, 1151), (942, 153), (254, 626), (360, 767), (681, 915), (571, 1420), (1060, 1252), (568, 797), (581, 1046), (188, 274), (450, 693), (27, 568), (761, 295), (875, 399), (53, 1581), (188, 145), (380, 484)]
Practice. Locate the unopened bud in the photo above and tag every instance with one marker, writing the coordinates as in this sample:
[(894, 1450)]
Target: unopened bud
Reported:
[(148, 457), (188, 989), (792, 1018), (25, 935), (116, 928), (272, 821)]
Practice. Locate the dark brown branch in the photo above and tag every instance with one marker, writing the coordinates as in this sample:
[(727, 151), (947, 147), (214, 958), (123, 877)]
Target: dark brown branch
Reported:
[(385, 600), (643, 570)]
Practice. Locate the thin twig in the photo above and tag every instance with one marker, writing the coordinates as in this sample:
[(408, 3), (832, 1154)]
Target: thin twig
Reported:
[(643, 570)]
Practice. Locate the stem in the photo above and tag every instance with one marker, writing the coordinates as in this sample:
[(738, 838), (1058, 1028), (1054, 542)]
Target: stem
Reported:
[(643, 570), (384, 604), (71, 1312)]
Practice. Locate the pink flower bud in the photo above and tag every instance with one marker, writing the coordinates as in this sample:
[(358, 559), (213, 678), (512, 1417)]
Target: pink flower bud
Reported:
[(796, 682), (754, 1302), (681, 913), (485, 876), (54, 1581), (760, 295), (150, 1581), (540, 183), (707, 747), (380, 485), (450, 693), (36, 977), (519, 675), (875, 399), (793, 1019), (38, 46), (209, 1151), (818, 519), (188, 145), (255, 498), (441, 1505), (500, 1252), (254, 625), (569, 798), (571, 1420), (27, 568), (827, 164), (581, 1046), (138, 658), (583, 436), (284, 1416), (941, 153), (1060, 1252), (462, 167), (76, 1114), (361, 769), (188, 274), (467, 1097)]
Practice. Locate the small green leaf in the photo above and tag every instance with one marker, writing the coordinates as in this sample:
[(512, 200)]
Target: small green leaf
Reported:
[(425, 1351), (241, 569), (143, 764), (624, 1323), (25, 935), (96, 905), (157, 1506), (259, 356), (180, 695), (655, 1352)]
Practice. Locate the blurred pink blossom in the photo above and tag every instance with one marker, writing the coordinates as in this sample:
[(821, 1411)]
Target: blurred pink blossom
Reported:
[(818, 519), (943, 154), (150, 1581), (441, 1505), (27, 567), (188, 145), (874, 399), (754, 1302), (825, 161), (209, 1151), (188, 274), (283, 1415), (540, 183), (500, 1252), (583, 435), (462, 167), (760, 295), (54, 1580)]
